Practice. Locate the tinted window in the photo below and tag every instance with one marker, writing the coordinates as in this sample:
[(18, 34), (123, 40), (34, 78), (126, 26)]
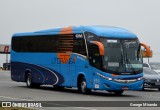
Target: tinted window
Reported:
[(79, 47), (94, 56), (145, 65), (35, 44), (91, 37), (50, 43)]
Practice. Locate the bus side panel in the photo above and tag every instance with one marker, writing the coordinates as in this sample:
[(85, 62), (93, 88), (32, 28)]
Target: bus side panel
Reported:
[(40, 74), (17, 72), (40, 65), (83, 68)]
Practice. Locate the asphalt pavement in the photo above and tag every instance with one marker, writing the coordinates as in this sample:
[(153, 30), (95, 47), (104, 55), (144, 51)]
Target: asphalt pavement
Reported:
[(17, 91)]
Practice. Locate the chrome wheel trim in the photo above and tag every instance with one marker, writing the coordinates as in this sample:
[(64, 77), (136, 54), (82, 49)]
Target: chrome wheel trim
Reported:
[(83, 86), (29, 80)]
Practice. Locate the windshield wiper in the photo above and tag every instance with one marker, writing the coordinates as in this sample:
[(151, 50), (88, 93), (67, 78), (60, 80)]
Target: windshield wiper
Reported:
[(138, 52), (121, 62), (129, 62)]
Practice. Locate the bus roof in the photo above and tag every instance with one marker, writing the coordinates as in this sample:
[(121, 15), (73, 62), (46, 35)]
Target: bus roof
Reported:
[(105, 31)]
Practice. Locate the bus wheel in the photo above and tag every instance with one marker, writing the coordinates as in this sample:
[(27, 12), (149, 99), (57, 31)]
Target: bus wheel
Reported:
[(83, 87), (29, 81), (118, 92)]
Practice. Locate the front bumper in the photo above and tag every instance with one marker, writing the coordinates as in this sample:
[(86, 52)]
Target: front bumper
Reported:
[(111, 85), (118, 83)]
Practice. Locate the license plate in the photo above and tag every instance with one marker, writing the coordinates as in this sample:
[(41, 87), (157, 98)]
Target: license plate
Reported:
[(125, 88)]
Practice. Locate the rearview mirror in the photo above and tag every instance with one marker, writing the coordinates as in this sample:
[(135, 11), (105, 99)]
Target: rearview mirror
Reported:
[(100, 46), (147, 52)]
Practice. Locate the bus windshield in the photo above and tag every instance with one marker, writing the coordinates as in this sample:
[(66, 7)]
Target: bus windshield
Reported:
[(122, 56)]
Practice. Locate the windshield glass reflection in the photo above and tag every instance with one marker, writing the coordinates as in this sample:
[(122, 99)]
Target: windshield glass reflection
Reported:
[(122, 56)]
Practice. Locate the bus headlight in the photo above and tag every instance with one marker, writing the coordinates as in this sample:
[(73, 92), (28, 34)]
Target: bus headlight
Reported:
[(107, 78), (140, 78)]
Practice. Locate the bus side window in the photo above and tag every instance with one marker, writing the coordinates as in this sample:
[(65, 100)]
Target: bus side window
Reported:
[(79, 46), (94, 56)]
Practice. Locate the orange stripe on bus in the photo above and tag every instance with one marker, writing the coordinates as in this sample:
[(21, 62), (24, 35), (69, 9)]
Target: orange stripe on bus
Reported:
[(66, 30), (63, 57)]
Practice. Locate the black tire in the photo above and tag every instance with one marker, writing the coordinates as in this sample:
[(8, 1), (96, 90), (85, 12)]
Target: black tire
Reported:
[(143, 89), (159, 89), (82, 87), (118, 92), (29, 82)]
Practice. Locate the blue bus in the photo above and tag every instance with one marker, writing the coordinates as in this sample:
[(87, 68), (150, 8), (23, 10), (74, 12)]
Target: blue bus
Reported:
[(86, 57)]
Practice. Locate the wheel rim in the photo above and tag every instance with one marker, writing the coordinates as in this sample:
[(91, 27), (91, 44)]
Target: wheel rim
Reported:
[(83, 86), (29, 80)]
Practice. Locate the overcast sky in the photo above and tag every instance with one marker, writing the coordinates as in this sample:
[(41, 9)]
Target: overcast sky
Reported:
[(141, 17)]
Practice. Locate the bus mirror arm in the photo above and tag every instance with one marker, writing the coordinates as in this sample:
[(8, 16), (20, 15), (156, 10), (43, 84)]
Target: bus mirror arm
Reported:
[(100, 46), (147, 52)]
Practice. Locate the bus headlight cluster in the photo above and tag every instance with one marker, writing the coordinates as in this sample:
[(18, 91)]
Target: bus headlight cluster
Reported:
[(140, 78), (107, 78)]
